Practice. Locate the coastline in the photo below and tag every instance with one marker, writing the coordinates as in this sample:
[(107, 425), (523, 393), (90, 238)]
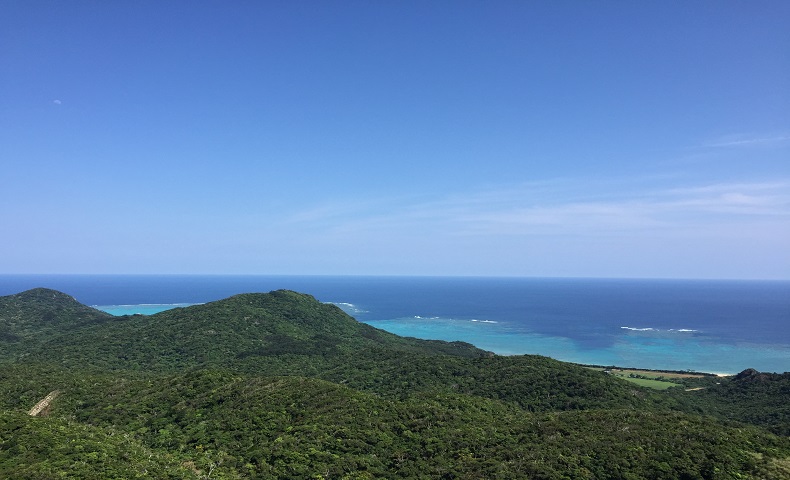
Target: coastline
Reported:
[(153, 308), (664, 372), (700, 326)]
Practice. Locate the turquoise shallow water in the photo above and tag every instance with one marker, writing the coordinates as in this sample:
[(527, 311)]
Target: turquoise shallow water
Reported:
[(712, 326), (645, 347)]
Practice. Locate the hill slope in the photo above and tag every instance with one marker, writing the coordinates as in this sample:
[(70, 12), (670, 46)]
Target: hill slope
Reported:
[(297, 427), (288, 333), (41, 312)]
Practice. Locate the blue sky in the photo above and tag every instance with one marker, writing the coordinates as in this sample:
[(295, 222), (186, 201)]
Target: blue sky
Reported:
[(596, 139)]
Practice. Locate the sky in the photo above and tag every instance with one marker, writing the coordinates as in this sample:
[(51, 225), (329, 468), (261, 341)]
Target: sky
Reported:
[(491, 138)]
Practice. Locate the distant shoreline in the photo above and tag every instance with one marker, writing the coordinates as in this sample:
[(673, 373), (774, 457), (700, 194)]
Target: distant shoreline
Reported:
[(153, 308), (676, 373), (677, 326)]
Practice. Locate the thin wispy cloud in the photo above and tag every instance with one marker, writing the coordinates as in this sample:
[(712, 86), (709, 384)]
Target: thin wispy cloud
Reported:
[(527, 210), (763, 199), (748, 141)]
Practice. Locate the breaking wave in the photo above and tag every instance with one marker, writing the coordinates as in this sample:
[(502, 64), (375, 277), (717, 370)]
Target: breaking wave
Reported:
[(651, 329), (348, 307)]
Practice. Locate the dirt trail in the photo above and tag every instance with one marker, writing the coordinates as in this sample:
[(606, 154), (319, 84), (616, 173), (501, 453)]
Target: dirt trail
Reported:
[(43, 404)]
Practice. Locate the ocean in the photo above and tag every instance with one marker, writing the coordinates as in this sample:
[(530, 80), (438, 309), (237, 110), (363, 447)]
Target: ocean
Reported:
[(694, 325)]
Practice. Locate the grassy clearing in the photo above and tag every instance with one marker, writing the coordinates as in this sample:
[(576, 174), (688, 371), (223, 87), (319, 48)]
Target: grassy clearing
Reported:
[(625, 372), (654, 384), (648, 378), (655, 374)]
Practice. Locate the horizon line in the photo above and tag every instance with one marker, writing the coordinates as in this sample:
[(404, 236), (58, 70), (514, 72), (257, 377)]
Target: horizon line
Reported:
[(404, 275)]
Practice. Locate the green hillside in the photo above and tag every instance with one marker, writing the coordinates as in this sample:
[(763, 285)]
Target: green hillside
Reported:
[(42, 312), (752, 397), (226, 332), (279, 385), (287, 333)]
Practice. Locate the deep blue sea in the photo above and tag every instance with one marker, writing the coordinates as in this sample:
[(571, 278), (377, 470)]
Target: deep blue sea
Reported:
[(698, 325)]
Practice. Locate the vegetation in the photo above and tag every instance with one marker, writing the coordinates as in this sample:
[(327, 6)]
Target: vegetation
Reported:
[(752, 397), (279, 385), (647, 378), (650, 383)]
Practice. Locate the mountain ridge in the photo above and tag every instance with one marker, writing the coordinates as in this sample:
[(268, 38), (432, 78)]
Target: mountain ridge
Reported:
[(289, 333)]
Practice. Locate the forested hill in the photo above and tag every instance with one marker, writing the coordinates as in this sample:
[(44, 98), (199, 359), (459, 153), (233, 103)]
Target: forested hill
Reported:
[(42, 311), (288, 333), (243, 325), (279, 385)]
